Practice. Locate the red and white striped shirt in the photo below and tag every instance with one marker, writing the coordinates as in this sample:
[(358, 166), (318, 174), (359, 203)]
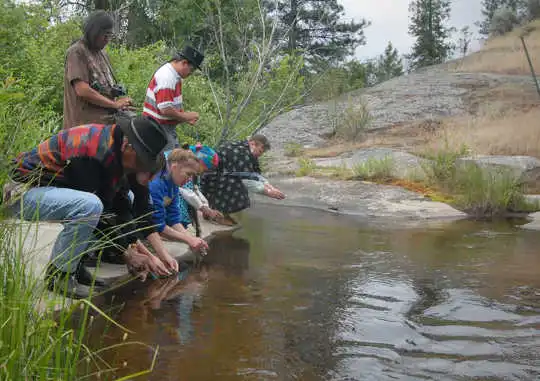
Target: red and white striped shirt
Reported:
[(164, 91)]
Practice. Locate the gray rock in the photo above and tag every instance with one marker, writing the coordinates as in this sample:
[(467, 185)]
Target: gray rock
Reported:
[(403, 165), (427, 94), (535, 222), (522, 168), (359, 199)]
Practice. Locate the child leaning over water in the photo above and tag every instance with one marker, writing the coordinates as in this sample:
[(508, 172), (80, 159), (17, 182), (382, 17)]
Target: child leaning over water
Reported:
[(181, 165), (170, 210)]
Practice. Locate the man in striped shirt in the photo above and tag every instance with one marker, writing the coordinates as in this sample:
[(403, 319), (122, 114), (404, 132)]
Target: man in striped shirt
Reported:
[(164, 93)]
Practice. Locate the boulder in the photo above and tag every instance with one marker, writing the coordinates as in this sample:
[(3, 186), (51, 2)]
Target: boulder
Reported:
[(402, 165), (534, 224), (522, 168)]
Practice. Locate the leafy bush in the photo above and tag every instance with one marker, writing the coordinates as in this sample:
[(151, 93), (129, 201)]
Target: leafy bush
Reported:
[(293, 149), (375, 169), (306, 167), (503, 21), (349, 123), (483, 193)]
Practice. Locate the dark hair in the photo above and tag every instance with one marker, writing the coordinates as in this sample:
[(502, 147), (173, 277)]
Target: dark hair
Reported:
[(263, 140), (94, 25)]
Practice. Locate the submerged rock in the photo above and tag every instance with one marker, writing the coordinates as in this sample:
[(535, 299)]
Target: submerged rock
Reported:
[(401, 165)]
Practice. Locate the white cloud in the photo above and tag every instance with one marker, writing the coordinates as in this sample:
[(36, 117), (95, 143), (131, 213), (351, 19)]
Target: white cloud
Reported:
[(390, 21)]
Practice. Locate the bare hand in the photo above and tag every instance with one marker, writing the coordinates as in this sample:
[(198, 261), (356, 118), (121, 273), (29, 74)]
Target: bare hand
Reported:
[(273, 192), (211, 213), (123, 103), (192, 117), (141, 261), (157, 267), (136, 262), (197, 244), (170, 262), (142, 248)]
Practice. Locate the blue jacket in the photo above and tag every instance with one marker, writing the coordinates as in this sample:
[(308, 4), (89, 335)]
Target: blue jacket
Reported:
[(166, 201)]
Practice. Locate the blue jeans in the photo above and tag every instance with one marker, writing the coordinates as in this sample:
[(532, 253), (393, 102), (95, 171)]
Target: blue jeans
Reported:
[(78, 211)]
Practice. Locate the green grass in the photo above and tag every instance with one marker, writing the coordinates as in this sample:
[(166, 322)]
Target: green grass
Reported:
[(37, 341), (479, 192), (306, 167), (375, 169), (483, 193), (350, 123), (293, 149)]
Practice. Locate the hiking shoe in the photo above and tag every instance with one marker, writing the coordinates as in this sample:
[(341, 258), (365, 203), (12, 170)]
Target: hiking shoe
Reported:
[(85, 277), (65, 284)]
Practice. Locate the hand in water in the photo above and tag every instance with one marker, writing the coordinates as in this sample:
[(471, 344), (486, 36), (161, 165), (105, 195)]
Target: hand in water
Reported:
[(273, 192), (211, 213), (141, 261), (170, 262), (197, 244)]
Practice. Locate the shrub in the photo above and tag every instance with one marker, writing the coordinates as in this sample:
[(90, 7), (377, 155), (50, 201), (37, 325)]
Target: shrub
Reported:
[(293, 149), (487, 193), (306, 167), (503, 21), (375, 169), (352, 121)]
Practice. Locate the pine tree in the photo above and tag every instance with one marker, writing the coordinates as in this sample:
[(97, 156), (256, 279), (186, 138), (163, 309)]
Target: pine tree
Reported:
[(390, 64), (317, 29), (427, 25)]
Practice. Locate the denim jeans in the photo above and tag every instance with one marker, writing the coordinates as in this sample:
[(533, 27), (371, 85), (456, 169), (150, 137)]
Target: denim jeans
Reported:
[(78, 211)]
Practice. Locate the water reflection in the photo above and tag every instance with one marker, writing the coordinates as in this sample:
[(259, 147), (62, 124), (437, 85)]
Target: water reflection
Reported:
[(310, 296)]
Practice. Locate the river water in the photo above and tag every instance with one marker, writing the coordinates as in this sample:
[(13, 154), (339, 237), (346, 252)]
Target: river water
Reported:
[(304, 295)]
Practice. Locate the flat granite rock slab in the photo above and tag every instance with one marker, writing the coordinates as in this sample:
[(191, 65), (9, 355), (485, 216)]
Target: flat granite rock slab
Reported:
[(359, 198), (37, 241)]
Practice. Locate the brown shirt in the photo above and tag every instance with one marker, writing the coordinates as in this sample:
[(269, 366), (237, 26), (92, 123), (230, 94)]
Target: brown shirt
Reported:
[(90, 67)]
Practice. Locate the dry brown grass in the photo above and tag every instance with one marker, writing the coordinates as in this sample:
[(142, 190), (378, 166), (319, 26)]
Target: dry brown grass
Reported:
[(514, 133), (504, 54)]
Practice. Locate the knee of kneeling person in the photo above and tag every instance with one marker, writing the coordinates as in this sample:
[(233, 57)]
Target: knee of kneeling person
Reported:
[(90, 205)]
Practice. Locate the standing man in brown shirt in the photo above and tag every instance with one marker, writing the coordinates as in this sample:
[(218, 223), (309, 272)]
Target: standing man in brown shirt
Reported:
[(91, 93)]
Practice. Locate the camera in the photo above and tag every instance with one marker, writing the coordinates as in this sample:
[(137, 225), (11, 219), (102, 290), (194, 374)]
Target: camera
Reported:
[(114, 92), (118, 91)]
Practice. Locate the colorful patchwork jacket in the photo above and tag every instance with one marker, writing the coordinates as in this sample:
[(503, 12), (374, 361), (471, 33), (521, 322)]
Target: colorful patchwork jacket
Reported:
[(86, 158)]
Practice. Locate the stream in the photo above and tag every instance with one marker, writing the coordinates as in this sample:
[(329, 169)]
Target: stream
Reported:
[(304, 295)]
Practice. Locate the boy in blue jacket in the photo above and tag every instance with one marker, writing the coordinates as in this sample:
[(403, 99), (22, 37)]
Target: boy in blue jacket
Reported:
[(169, 216)]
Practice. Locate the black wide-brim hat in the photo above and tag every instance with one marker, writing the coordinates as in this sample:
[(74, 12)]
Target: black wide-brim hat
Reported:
[(192, 55), (148, 139)]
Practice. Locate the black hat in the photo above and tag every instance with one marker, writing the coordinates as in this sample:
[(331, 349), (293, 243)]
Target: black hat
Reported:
[(192, 55), (148, 140)]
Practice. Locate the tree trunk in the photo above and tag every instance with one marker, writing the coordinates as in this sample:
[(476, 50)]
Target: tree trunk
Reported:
[(102, 4), (293, 33)]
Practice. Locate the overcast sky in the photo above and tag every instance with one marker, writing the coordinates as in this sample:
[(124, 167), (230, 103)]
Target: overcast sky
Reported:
[(390, 18)]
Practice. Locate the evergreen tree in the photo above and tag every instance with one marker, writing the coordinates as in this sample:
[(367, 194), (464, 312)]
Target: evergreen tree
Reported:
[(317, 29), (389, 64), (427, 25)]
